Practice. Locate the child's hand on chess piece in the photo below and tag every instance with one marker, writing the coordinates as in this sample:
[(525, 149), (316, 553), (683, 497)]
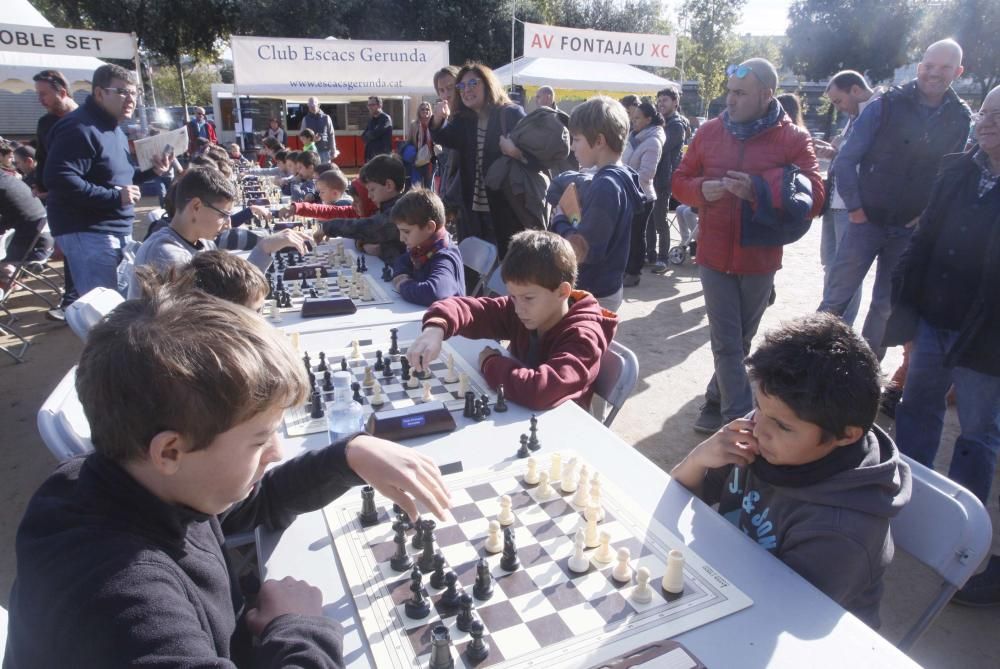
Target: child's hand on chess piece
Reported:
[(277, 598), (425, 348), (488, 352), (734, 444), (287, 211), (260, 212), (400, 279), (318, 235), (399, 473), (284, 239)]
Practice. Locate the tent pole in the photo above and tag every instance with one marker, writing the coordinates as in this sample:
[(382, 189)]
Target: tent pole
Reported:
[(239, 111), (143, 121), (513, 6)]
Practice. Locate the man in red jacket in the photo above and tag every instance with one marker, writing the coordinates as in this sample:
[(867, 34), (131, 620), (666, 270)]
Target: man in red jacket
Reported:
[(737, 167)]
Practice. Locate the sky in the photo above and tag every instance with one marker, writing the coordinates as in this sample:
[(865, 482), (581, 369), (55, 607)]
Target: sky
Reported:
[(764, 17)]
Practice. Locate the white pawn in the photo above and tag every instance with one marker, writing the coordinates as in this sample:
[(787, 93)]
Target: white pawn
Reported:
[(428, 396), (531, 476), (355, 350), (623, 570), (463, 384), (578, 563), (276, 313), (569, 481), (595, 495), (555, 471), (506, 516), (590, 537), (673, 578), (604, 553), (451, 376), (582, 496), (494, 542), (378, 399), (545, 491), (413, 381), (642, 594)]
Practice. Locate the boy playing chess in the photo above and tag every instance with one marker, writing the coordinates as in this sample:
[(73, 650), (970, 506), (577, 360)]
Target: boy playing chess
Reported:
[(431, 269), (557, 335), (330, 187), (120, 554), (808, 475), (384, 177), (218, 273)]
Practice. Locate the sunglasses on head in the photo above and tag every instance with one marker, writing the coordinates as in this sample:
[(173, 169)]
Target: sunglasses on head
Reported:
[(53, 81), (470, 84)]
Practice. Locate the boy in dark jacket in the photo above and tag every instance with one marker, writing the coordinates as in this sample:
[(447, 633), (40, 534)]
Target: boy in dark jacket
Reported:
[(808, 475), (557, 335), (120, 558), (431, 269), (384, 177)]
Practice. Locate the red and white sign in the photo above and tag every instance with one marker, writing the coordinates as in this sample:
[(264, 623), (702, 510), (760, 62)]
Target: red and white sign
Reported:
[(542, 41)]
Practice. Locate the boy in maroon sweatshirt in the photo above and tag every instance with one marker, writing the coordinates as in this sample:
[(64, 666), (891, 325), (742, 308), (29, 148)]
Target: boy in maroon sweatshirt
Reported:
[(557, 335)]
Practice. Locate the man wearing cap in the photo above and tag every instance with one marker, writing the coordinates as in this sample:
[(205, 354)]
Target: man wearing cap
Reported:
[(322, 126), (199, 127), (884, 173), (753, 176)]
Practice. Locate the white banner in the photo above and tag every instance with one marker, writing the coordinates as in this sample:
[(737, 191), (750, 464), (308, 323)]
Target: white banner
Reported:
[(42, 39), (167, 144), (637, 49), (284, 66)]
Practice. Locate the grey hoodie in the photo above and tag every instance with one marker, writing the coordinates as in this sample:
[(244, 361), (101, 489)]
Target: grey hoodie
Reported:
[(834, 532)]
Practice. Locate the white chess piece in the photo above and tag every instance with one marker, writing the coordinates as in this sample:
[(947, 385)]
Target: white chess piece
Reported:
[(623, 570), (642, 594), (545, 490), (369, 379), (578, 562), (531, 476), (275, 312), (595, 496), (378, 399), (366, 292), (428, 396), (673, 578), (569, 481), (604, 553), (506, 516), (355, 350), (555, 470), (590, 536), (582, 496), (413, 381), (494, 542), (463, 384), (451, 377)]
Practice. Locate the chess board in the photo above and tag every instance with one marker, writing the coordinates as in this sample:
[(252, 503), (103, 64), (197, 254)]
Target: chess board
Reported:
[(396, 395), (377, 289), (543, 614)]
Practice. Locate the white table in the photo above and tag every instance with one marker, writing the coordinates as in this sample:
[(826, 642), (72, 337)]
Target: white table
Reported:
[(790, 624)]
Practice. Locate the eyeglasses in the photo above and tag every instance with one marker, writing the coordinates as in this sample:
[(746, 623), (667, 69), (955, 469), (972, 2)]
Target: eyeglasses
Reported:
[(741, 72), (124, 92), (227, 214), (980, 117), (471, 84)]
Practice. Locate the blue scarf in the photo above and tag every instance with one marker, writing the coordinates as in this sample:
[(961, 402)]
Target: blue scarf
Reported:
[(744, 131)]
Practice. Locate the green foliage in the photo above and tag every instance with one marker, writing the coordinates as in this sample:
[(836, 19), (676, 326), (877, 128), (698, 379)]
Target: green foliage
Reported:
[(712, 45), (197, 80), (975, 24)]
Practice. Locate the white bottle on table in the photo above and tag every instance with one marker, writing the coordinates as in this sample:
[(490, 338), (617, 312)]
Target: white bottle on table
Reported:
[(344, 416)]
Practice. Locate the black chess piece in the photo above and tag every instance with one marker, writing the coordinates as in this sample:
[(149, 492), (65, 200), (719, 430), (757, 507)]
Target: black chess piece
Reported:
[(440, 649), (465, 615), (394, 347), (379, 364), (304, 283), (402, 516), (523, 452), (358, 397), (426, 561), (400, 560), (343, 364), (270, 290), (533, 442), (483, 588), (321, 367), (450, 597), (417, 606), (470, 406), (368, 514), (509, 561), (313, 294), (486, 405), (386, 273), (387, 369), (306, 359), (280, 286), (477, 410), (418, 534), (312, 379), (357, 265), (437, 576), (364, 264), (316, 408), (327, 382), (404, 364), (478, 649)]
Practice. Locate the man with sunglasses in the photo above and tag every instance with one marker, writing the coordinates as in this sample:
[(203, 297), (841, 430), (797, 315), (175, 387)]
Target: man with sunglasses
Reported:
[(91, 180), (753, 176), (200, 127)]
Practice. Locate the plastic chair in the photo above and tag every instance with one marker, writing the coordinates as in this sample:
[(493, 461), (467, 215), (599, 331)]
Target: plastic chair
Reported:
[(496, 285), (34, 270), (617, 378), (479, 256), (90, 309), (62, 423), (945, 527), (3, 632)]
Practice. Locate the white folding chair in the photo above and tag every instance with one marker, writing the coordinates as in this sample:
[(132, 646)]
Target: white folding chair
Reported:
[(3, 632), (154, 215), (617, 378), (31, 269), (62, 423), (495, 286), (945, 527), (90, 309), (479, 256)]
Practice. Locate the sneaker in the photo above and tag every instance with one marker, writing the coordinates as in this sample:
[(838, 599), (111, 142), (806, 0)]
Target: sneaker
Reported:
[(630, 280), (890, 398), (710, 419), (659, 267), (982, 590), (56, 314), (692, 249)]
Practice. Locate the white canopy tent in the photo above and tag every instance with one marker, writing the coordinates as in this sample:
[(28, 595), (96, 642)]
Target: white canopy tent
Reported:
[(573, 75)]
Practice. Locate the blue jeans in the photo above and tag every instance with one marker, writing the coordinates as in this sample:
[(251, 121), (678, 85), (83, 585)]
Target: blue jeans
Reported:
[(920, 414), (861, 245), (835, 226), (93, 258), (324, 156), (735, 304)]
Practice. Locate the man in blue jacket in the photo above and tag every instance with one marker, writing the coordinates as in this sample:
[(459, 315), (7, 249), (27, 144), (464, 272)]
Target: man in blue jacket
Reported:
[(91, 180), (377, 135)]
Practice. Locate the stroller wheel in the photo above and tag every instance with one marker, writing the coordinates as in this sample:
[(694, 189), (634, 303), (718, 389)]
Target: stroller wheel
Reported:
[(677, 255)]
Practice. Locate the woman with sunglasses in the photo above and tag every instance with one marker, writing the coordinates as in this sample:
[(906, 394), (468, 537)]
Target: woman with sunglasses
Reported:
[(473, 122)]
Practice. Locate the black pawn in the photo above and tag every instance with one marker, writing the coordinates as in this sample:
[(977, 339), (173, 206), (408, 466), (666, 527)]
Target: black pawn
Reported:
[(343, 364), (486, 405), (483, 589), (478, 649), (387, 369), (437, 576), (369, 514), (316, 408), (304, 283), (509, 561), (426, 561), (313, 294), (523, 452), (321, 367), (465, 618), (477, 410), (418, 534), (450, 598), (358, 397), (379, 364), (327, 381), (364, 264), (394, 341), (470, 406), (417, 606), (400, 560)]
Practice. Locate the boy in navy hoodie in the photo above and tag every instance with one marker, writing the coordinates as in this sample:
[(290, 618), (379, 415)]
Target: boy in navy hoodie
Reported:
[(599, 223), (431, 269), (808, 475)]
